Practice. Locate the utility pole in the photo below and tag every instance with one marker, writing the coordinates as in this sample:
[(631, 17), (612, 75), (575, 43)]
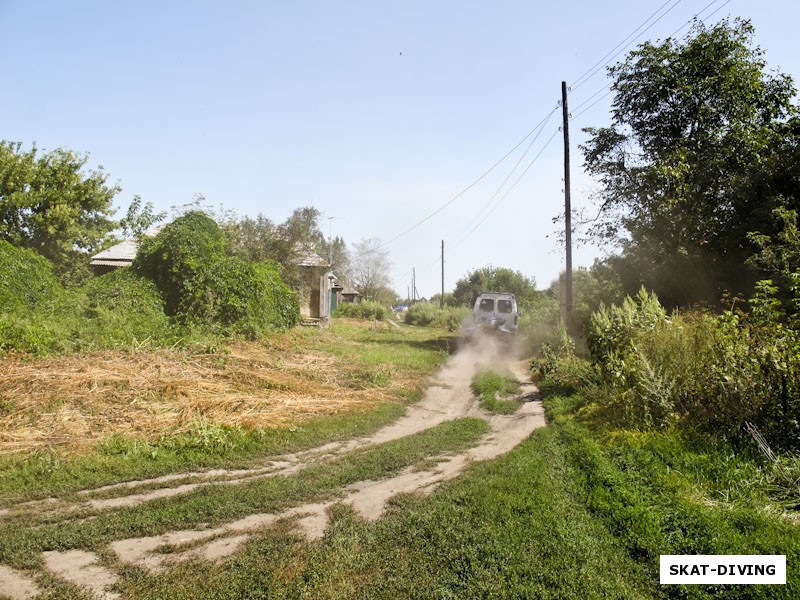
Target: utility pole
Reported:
[(413, 285), (441, 300), (330, 241), (567, 207)]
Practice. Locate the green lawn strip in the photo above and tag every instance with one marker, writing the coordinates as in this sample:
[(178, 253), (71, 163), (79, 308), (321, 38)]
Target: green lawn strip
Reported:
[(490, 387), (656, 494), (123, 459), (417, 348), (21, 543), (510, 528)]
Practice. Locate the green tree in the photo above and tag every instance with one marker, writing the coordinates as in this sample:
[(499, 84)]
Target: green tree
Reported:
[(139, 218), (702, 146), (48, 203), (494, 279), (288, 244), (175, 257)]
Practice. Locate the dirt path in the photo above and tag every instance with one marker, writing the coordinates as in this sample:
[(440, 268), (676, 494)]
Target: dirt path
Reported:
[(448, 397)]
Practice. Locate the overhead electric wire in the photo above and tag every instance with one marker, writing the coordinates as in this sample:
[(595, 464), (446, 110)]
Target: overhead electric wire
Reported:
[(619, 48), (588, 103), (697, 15), (470, 186), (519, 161), (509, 190)]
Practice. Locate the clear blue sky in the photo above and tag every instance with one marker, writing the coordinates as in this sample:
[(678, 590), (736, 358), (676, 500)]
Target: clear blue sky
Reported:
[(376, 113)]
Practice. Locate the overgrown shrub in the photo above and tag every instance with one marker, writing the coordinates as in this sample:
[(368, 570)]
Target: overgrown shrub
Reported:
[(429, 314), (240, 297), (26, 279), (612, 330), (366, 309), (558, 367), (175, 257), (121, 308)]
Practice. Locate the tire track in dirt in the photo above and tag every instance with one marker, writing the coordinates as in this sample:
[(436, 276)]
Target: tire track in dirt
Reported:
[(448, 397)]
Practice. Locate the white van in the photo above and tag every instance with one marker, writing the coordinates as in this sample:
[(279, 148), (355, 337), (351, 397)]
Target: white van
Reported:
[(496, 311)]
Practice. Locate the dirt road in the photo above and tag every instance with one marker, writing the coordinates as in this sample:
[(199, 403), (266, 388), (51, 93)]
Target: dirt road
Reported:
[(448, 397)]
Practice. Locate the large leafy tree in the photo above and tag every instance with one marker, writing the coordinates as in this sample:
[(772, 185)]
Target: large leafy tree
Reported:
[(50, 204), (701, 149), (493, 279), (288, 243)]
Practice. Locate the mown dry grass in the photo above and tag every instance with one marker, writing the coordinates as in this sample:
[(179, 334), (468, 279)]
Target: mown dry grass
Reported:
[(74, 401)]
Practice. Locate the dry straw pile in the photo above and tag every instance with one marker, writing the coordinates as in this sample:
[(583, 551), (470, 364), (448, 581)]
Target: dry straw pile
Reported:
[(74, 401)]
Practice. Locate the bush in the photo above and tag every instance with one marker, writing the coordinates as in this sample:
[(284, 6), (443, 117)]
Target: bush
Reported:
[(123, 308), (174, 258), (367, 309), (425, 314), (26, 279), (240, 297), (558, 367)]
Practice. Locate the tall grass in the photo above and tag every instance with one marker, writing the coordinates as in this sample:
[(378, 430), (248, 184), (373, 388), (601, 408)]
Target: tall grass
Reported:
[(423, 314)]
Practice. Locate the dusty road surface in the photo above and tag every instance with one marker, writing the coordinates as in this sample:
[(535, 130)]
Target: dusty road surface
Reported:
[(448, 397)]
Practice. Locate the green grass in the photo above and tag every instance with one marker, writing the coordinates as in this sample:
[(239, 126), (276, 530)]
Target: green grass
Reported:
[(577, 511), (491, 388), (119, 458), (23, 538), (511, 528)]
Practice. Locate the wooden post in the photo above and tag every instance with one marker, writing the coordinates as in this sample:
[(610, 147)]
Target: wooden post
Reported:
[(567, 205), (441, 300)]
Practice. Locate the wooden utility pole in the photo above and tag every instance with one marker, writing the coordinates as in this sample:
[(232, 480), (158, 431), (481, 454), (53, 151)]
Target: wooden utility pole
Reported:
[(567, 207), (441, 300), (413, 285)]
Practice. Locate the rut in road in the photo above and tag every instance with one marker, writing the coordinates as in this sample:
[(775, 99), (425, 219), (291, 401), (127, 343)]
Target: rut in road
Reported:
[(448, 397)]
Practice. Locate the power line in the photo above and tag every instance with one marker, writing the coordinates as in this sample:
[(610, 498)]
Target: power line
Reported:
[(619, 48), (500, 201), (589, 101), (469, 187), (663, 10), (514, 168), (697, 15)]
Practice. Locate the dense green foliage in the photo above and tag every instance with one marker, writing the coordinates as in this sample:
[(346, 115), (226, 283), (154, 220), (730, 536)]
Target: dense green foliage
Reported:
[(122, 308), (695, 370), (702, 147), (366, 309), (429, 313), (175, 257), (202, 285), (240, 297), (183, 286), (50, 205), (494, 279), (26, 278)]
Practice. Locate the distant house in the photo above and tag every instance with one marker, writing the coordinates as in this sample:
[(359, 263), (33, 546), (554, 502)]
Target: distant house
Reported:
[(349, 295), (319, 294), (319, 298), (119, 255)]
